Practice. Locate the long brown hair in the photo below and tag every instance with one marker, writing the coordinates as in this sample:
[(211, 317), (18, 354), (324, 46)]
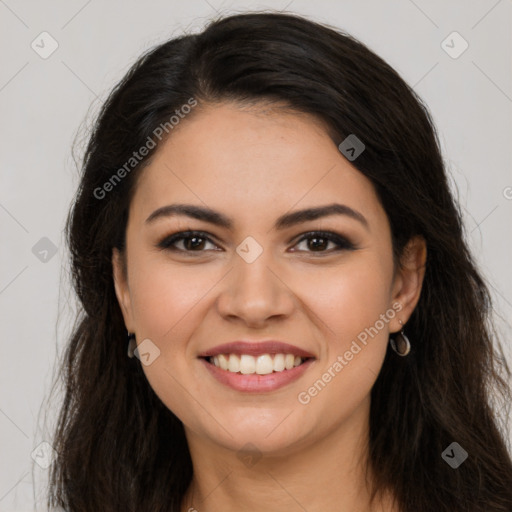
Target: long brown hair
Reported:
[(118, 447)]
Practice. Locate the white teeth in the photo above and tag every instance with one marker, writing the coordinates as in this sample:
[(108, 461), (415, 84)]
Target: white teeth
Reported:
[(264, 365), (223, 362), (288, 361), (247, 364), (261, 365), (233, 364), (279, 362)]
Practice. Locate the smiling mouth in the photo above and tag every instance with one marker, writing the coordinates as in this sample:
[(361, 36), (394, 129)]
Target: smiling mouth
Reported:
[(264, 364)]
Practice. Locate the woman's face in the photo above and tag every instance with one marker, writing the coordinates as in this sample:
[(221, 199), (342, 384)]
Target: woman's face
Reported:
[(255, 277)]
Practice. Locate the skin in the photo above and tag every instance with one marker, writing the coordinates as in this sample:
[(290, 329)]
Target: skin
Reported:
[(253, 167)]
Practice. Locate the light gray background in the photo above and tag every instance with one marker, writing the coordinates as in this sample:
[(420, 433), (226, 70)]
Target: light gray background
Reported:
[(45, 101)]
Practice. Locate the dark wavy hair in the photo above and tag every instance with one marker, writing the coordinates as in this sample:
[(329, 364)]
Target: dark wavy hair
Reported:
[(118, 446)]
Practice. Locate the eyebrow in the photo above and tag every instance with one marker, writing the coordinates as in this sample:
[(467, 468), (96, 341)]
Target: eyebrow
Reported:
[(285, 221)]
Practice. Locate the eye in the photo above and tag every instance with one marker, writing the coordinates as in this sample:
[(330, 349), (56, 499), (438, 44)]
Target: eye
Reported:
[(317, 241), (193, 241), (196, 241)]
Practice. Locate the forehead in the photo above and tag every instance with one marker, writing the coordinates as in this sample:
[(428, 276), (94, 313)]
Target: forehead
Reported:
[(248, 161)]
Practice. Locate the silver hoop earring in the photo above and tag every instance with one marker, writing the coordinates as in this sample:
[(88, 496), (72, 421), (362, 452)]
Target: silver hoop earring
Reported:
[(400, 343), (132, 344)]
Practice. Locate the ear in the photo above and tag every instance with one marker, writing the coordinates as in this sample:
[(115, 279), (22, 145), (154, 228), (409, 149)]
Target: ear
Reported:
[(408, 280), (120, 276)]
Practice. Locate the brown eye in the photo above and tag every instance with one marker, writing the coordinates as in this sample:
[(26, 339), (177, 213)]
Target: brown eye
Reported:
[(318, 241), (192, 241)]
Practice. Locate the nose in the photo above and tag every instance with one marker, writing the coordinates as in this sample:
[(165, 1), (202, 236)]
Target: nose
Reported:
[(255, 292)]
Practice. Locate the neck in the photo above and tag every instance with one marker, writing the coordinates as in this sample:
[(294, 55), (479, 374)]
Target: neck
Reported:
[(329, 474)]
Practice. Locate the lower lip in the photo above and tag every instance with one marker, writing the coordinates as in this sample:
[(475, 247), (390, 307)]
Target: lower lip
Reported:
[(254, 383)]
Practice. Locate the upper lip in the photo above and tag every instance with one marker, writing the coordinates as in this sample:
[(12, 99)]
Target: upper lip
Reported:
[(256, 348)]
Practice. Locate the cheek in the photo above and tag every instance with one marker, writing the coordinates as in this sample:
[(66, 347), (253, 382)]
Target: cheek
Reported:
[(166, 300), (349, 298), (353, 304), (166, 296)]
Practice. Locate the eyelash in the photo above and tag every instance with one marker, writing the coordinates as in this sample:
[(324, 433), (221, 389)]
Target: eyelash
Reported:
[(342, 242)]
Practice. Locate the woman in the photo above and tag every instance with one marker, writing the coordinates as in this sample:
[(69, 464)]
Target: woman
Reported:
[(264, 209)]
